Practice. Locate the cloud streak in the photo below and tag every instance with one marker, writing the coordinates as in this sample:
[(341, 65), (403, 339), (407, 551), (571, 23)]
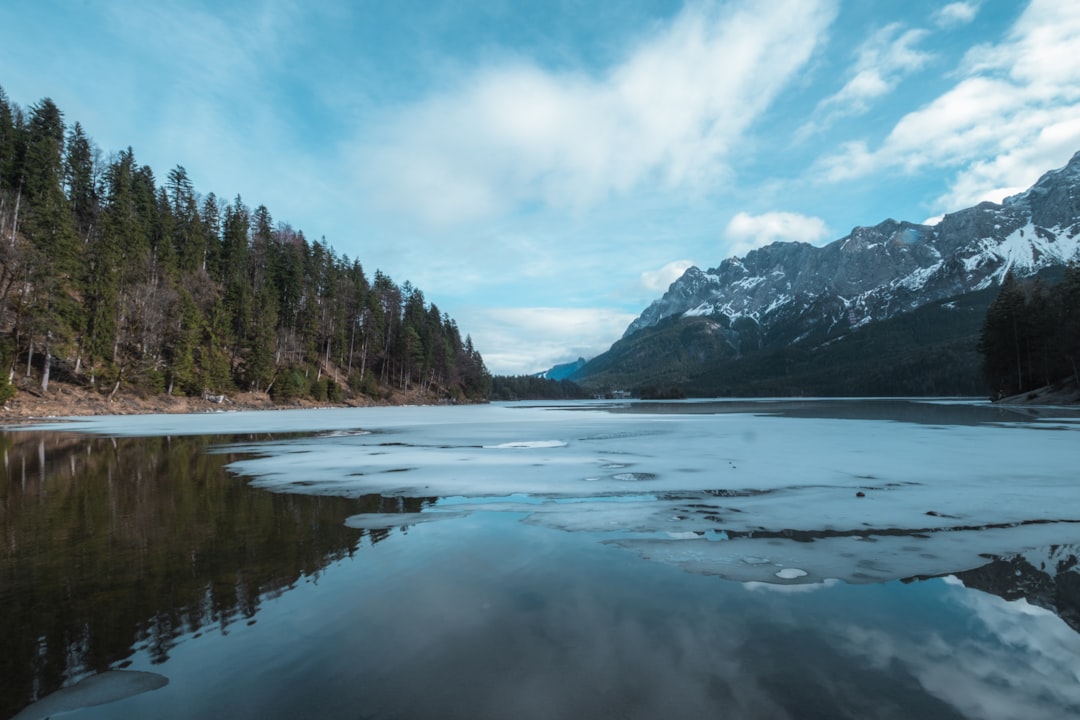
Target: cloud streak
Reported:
[(883, 60), (955, 14), (1014, 113), (517, 134)]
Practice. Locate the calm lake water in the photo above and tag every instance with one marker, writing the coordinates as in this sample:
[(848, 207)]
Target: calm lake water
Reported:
[(749, 559)]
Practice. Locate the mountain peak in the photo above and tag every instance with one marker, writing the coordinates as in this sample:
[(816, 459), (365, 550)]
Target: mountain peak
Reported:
[(879, 271)]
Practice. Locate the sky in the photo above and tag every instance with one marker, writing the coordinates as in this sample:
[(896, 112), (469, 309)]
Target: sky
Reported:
[(542, 171)]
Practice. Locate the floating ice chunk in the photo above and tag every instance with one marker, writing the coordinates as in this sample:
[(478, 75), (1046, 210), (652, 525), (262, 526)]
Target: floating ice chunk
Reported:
[(790, 573), (344, 433), (683, 535), (634, 476), (99, 689), (790, 588), (383, 521)]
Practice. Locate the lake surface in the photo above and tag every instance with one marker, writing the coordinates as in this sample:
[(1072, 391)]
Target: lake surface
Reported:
[(741, 559)]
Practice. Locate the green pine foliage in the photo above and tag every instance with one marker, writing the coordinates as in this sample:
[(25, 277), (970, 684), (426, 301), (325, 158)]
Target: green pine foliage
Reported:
[(121, 281), (1031, 336)]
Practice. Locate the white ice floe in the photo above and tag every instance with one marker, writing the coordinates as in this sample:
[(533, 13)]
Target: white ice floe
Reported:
[(384, 521), (702, 487), (99, 689)]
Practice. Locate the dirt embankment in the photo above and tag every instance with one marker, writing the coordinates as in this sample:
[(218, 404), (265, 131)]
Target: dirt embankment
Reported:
[(62, 399)]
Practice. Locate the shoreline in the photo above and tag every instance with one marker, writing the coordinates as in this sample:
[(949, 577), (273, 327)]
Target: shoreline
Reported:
[(1066, 393), (68, 401)]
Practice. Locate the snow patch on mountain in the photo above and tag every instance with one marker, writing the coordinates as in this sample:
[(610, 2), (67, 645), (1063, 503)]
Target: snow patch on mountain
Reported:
[(878, 272)]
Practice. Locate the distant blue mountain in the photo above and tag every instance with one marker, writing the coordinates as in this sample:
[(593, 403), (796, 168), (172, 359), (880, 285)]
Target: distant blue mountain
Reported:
[(563, 371)]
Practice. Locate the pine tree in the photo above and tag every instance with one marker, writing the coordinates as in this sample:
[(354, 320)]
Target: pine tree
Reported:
[(158, 291), (1005, 341), (80, 170), (50, 311), (1070, 320)]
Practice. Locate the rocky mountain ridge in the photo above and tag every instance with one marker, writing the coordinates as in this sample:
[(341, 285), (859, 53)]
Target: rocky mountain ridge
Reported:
[(786, 289)]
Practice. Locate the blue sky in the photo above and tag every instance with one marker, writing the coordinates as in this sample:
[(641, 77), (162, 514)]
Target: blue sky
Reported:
[(543, 170)]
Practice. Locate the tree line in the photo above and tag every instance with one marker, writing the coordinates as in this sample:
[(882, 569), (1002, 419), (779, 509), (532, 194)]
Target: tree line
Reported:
[(113, 278), (531, 387), (1031, 336)]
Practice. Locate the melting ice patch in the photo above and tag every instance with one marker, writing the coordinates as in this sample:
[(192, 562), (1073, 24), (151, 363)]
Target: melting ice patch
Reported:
[(863, 500), (386, 521), (99, 689)]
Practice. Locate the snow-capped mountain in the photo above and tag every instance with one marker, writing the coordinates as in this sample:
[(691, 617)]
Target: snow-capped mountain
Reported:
[(790, 289)]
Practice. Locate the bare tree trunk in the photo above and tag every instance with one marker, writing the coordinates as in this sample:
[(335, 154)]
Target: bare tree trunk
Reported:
[(363, 360), (29, 357), (119, 377), (48, 363), (15, 221), (352, 342)]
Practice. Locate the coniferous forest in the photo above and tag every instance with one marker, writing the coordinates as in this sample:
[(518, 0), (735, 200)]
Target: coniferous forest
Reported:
[(1031, 336), (116, 280)]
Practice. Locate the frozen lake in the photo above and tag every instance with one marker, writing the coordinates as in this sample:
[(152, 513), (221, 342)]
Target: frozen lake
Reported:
[(831, 558)]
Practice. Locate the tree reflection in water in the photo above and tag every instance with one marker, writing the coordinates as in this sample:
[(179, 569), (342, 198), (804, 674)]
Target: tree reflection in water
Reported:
[(116, 544)]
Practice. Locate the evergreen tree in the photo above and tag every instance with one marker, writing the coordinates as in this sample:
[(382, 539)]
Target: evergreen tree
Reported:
[(1001, 341), (50, 311), (80, 179), (8, 143), (1069, 318), (159, 291)]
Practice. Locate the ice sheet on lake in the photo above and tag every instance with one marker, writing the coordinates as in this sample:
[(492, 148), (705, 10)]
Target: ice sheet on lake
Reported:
[(862, 500), (99, 689)]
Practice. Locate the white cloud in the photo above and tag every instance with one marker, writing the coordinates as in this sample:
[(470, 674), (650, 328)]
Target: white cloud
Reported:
[(517, 341), (746, 232), (1017, 103), (956, 13), (669, 113), (657, 281), (882, 61)]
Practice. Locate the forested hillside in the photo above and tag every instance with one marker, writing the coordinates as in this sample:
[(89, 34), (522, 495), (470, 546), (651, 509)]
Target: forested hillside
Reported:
[(115, 280), (1031, 336)]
